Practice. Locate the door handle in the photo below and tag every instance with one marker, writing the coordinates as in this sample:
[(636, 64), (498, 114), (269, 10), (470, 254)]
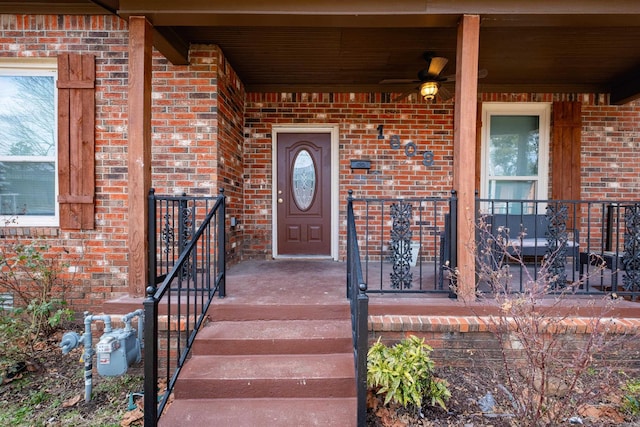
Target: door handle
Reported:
[(280, 200)]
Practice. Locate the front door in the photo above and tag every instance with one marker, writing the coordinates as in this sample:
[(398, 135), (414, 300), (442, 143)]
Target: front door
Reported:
[(304, 193)]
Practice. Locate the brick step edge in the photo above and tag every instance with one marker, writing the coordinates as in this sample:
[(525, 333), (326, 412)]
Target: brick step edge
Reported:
[(452, 324), (327, 412), (274, 337)]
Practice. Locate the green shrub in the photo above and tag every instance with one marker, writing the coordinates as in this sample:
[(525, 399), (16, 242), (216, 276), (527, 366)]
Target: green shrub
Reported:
[(34, 279), (631, 402), (404, 373)]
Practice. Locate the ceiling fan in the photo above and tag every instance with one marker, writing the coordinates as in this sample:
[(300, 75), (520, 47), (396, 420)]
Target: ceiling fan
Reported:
[(429, 79)]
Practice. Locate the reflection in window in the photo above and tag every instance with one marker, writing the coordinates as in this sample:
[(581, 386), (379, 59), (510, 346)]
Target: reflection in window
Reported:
[(303, 180), (513, 149), (28, 143), (515, 152)]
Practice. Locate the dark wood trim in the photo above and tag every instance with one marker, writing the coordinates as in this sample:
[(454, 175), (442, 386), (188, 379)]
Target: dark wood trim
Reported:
[(83, 7), (626, 89), (365, 7), (566, 150), (464, 149), (171, 45), (68, 198), (139, 149), (76, 140), (80, 84)]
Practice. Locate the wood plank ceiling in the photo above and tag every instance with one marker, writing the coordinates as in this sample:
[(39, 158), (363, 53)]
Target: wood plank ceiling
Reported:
[(567, 46)]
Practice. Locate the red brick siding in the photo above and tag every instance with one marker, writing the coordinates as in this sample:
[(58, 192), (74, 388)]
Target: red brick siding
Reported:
[(469, 342), (198, 130), (610, 136), (392, 173), (208, 133), (97, 259), (231, 96)]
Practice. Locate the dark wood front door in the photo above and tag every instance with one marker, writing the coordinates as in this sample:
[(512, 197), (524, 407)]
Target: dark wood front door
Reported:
[(303, 194)]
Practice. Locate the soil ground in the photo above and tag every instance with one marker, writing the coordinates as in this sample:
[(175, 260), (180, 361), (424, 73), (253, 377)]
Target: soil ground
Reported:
[(600, 408), (49, 392)]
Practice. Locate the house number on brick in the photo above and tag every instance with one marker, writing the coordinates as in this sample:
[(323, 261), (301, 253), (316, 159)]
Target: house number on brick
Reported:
[(411, 149)]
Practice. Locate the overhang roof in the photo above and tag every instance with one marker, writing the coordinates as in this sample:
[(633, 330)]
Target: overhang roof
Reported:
[(566, 46)]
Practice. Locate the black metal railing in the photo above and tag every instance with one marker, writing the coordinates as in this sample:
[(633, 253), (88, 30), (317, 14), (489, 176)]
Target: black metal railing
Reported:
[(402, 243), (357, 294), (586, 246), (186, 270)]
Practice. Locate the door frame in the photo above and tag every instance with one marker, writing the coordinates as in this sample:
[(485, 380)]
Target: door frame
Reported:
[(333, 131)]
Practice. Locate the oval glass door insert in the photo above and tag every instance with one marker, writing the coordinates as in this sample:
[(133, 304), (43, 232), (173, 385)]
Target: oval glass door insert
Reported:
[(303, 180)]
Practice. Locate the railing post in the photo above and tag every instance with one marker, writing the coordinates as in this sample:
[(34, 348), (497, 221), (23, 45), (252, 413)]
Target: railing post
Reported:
[(363, 346), (350, 233), (222, 238), (182, 227), (152, 263), (150, 359), (453, 238)]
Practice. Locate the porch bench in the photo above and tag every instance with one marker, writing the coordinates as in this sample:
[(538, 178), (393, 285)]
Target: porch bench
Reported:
[(609, 260), (527, 234)]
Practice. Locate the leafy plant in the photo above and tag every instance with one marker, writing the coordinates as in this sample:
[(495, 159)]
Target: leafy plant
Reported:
[(404, 373), (631, 402), (34, 277)]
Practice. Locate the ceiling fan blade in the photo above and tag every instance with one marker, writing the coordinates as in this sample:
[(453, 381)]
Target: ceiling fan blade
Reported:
[(397, 81), (444, 94), (404, 95), (436, 65), (452, 77)]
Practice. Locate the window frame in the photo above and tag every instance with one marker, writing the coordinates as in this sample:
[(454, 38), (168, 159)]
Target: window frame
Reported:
[(35, 67), (540, 109)]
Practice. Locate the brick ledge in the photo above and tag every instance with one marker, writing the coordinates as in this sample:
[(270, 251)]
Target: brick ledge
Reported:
[(464, 324)]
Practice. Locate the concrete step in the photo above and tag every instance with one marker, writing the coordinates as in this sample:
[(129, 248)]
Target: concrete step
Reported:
[(338, 412), (231, 309), (274, 337), (267, 376)]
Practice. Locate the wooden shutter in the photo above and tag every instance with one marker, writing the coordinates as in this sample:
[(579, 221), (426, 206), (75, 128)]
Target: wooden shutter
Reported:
[(76, 140), (566, 148)]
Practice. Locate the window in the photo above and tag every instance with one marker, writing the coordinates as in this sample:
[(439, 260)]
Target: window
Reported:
[(515, 151), (28, 144)]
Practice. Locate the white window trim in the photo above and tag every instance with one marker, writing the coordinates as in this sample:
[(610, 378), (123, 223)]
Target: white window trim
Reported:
[(35, 66), (543, 111)]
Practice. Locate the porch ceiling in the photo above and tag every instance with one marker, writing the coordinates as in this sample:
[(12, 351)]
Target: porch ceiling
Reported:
[(350, 46)]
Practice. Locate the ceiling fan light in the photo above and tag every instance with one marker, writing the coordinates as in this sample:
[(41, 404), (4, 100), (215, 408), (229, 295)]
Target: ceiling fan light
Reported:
[(428, 90)]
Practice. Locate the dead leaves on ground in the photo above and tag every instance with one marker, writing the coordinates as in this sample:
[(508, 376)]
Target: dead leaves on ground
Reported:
[(72, 401)]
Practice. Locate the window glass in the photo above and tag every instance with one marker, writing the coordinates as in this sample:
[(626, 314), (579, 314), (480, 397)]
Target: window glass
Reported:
[(28, 145), (515, 149), (513, 146), (304, 180)]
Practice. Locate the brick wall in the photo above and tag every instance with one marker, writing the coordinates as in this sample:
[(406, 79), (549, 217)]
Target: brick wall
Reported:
[(469, 341), (230, 166), (611, 136), (392, 173), (197, 131), (208, 133), (97, 260)]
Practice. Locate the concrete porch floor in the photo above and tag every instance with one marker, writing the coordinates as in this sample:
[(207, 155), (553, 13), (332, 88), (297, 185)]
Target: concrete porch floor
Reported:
[(323, 282)]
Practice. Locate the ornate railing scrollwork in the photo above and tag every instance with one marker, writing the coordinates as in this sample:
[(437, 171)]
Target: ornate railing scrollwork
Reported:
[(557, 237), (631, 256), (401, 234)]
